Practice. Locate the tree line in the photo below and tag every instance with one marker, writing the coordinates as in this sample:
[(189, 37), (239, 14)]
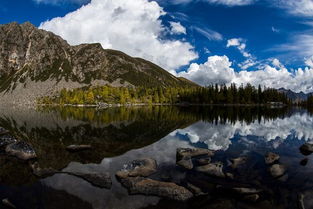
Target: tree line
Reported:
[(213, 94)]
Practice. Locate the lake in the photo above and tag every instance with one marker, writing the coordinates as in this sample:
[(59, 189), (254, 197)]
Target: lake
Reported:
[(121, 135)]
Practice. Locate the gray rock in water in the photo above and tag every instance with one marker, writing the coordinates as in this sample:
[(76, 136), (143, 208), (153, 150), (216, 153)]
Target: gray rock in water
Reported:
[(6, 140), (146, 186), (277, 170), (192, 152), (306, 149), (142, 167), (93, 174), (243, 190), (77, 148), (42, 172), (212, 169), (238, 161), (252, 197), (3, 131), (7, 203), (271, 157), (21, 150), (195, 190), (186, 162), (203, 161)]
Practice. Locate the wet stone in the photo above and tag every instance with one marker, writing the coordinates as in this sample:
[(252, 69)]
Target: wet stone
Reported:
[(192, 152), (142, 167), (8, 203), (277, 170), (77, 148), (212, 169), (271, 158), (186, 163), (306, 149), (203, 161), (6, 140), (304, 162), (21, 150), (238, 161)]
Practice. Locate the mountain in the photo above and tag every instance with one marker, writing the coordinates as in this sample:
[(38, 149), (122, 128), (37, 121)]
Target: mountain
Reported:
[(295, 96), (35, 63)]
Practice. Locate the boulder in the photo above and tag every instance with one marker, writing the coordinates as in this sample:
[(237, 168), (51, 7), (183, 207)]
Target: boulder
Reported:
[(306, 149), (195, 190), (8, 203), (277, 170), (3, 131), (238, 161), (77, 148), (271, 158), (146, 186), (212, 169), (21, 150), (42, 172), (203, 161), (138, 168), (6, 140), (186, 162), (93, 174), (192, 152)]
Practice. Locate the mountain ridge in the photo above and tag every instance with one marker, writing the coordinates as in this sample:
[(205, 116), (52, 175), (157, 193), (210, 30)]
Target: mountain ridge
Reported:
[(35, 63)]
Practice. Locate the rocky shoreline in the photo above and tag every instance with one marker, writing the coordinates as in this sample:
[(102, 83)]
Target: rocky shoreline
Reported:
[(204, 173)]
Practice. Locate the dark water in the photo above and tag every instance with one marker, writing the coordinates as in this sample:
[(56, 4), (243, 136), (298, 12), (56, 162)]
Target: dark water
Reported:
[(119, 135)]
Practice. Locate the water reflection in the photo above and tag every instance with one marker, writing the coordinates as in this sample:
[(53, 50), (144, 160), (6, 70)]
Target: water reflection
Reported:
[(119, 135)]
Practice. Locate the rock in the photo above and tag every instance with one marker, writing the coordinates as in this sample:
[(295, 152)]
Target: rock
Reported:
[(6, 140), (306, 149), (271, 158), (252, 197), (192, 152), (238, 161), (213, 169), (243, 190), (42, 172), (230, 175), (21, 150), (304, 162), (142, 167), (93, 174), (3, 131), (77, 148), (203, 161), (146, 186), (7, 203), (277, 170), (186, 162), (195, 190)]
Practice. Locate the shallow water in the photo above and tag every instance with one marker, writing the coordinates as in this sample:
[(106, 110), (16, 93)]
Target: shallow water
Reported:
[(119, 135)]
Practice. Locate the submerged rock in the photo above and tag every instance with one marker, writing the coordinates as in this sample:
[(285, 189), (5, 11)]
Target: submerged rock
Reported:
[(212, 169), (192, 152), (77, 148), (203, 161), (21, 150), (195, 190), (238, 161), (142, 167), (306, 149), (186, 162), (6, 140), (146, 186), (252, 197), (277, 170), (42, 172), (304, 162), (94, 175), (244, 190), (7, 203), (3, 131), (271, 158)]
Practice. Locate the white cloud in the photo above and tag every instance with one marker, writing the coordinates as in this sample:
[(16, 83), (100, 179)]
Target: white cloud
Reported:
[(232, 2), (296, 7), (275, 30), (218, 69), (209, 34), (240, 44), (177, 28), (130, 26), (309, 62)]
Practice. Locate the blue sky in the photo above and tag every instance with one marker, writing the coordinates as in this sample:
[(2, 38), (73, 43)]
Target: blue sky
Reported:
[(207, 41)]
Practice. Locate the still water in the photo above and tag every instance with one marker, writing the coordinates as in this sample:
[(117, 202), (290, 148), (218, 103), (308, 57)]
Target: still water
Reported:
[(120, 135)]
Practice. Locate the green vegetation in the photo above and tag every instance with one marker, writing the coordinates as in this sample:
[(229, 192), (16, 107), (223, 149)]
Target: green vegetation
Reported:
[(213, 94)]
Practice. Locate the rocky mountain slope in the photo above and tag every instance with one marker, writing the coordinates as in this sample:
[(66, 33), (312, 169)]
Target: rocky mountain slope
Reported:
[(35, 63), (296, 97)]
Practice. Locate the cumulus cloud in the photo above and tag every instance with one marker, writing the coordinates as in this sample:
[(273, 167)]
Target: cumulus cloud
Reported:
[(309, 62), (177, 28), (217, 2), (130, 26), (217, 69)]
